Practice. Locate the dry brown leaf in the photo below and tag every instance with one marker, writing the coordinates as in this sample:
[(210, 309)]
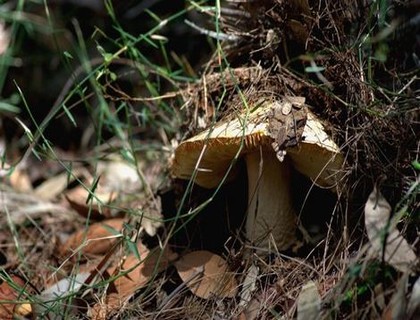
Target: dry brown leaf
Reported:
[(9, 297), (19, 180), (397, 308), (150, 263), (249, 285), (23, 310), (56, 298), (242, 316), (299, 31), (413, 308), (119, 176), (309, 302), (303, 6), (77, 199), (23, 206), (253, 309), (101, 310), (379, 296), (133, 275), (4, 37), (54, 186), (379, 226), (97, 239), (207, 275)]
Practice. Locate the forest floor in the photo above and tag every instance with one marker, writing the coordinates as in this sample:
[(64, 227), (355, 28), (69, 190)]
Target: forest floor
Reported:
[(118, 201)]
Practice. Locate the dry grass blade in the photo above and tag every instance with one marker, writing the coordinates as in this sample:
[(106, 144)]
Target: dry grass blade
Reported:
[(207, 275), (385, 239)]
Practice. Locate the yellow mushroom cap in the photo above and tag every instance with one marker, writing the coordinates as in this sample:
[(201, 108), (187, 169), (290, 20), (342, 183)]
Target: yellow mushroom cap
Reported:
[(317, 156), (207, 156)]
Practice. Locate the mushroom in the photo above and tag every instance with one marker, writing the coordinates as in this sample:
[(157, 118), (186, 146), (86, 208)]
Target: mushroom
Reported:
[(208, 159)]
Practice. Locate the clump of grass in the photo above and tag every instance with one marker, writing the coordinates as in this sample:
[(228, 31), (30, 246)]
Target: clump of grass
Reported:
[(109, 99), (128, 94), (341, 58)]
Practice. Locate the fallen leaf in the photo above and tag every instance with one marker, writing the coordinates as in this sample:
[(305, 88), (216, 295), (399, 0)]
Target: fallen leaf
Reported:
[(23, 206), (77, 198), (309, 302), (54, 186), (207, 275), (242, 316), (249, 285), (380, 226), (64, 287), (19, 180), (141, 271), (413, 307), (379, 296), (23, 310), (253, 309), (303, 6), (251, 306), (97, 239), (4, 37), (101, 310), (119, 176), (299, 31), (116, 178), (397, 307), (131, 276), (9, 296), (53, 298)]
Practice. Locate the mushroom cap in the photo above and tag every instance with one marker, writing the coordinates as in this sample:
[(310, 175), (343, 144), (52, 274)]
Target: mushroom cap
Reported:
[(318, 157), (209, 156)]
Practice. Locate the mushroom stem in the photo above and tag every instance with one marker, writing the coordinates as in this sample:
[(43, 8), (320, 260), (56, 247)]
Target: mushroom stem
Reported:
[(271, 218)]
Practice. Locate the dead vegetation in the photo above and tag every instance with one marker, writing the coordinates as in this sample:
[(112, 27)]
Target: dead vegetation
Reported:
[(134, 236)]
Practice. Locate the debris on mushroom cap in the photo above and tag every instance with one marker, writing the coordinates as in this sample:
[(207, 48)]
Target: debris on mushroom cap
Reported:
[(318, 156), (209, 154)]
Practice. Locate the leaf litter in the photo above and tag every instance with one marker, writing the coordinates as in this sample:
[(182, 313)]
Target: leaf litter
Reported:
[(11, 292), (33, 237), (386, 241), (207, 275)]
